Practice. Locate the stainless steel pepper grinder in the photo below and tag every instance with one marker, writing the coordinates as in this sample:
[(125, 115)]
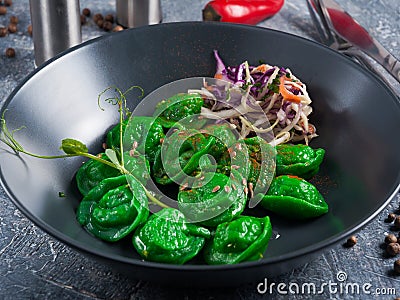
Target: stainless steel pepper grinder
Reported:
[(55, 27), (135, 13)]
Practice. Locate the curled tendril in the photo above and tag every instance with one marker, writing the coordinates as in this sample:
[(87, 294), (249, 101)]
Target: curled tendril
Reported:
[(120, 99)]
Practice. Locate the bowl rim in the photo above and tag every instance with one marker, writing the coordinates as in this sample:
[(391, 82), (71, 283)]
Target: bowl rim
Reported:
[(309, 250)]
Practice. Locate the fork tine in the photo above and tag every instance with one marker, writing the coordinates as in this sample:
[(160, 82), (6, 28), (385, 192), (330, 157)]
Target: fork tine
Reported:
[(337, 42), (313, 9)]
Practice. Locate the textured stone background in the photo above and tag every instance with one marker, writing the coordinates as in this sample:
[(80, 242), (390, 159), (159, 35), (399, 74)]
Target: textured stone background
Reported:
[(33, 265)]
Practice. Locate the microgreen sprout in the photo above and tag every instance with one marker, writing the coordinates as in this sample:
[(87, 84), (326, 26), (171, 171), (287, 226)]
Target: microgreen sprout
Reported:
[(72, 147)]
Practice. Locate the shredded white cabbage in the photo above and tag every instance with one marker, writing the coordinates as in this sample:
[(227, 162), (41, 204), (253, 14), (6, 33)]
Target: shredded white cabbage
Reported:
[(282, 97)]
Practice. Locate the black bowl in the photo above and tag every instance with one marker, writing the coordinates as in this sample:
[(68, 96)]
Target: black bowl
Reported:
[(354, 113)]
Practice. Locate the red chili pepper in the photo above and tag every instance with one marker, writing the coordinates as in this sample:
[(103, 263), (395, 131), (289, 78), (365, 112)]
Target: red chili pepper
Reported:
[(248, 12)]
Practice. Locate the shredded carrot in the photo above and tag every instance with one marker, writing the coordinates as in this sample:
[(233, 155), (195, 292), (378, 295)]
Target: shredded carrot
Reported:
[(294, 176), (311, 129), (218, 76), (285, 93), (261, 68)]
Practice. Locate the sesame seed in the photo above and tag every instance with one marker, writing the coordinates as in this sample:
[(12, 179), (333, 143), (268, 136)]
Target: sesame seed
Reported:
[(216, 188), (251, 189), (184, 186)]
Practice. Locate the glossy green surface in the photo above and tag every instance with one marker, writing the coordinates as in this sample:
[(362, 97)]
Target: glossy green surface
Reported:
[(293, 197), (92, 172), (177, 108), (167, 237), (113, 208), (243, 239), (138, 166), (180, 155), (299, 160), (144, 134), (223, 135), (215, 198), (262, 163)]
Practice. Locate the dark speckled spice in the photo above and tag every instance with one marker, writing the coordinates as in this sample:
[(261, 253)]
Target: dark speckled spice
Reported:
[(107, 25), (83, 19), (351, 241), (109, 18), (390, 238), (14, 19), (393, 249), (396, 266), (12, 28), (390, 218), (98, 17), (29, 29), (86, 12), (3, 31), (10, 52), (397, 222)]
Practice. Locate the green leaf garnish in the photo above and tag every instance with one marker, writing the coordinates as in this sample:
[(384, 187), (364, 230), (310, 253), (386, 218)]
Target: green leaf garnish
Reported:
[(71, 146), (112, 155)]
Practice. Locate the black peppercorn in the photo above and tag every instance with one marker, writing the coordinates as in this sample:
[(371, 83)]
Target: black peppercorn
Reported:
[(390, 238), (396, 266), (351, 241), (14, 20), (390, 218), (393, 249), (109, 18), (3, 31), (83, 19), (3, 10), (86, 12), (29, 29), (10, 52), (97, 17), (107, 26), (100, 23), (397, 222), (12, 28)]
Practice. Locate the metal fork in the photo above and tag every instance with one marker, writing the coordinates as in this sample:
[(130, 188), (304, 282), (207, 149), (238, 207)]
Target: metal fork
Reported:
[(329, 38), (332, 40)]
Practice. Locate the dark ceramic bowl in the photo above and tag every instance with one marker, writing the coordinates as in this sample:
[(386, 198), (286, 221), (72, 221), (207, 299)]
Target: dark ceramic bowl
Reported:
[(354, 113)]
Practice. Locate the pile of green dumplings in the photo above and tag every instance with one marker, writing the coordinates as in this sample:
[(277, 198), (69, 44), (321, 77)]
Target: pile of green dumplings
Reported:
[(215, 173)]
